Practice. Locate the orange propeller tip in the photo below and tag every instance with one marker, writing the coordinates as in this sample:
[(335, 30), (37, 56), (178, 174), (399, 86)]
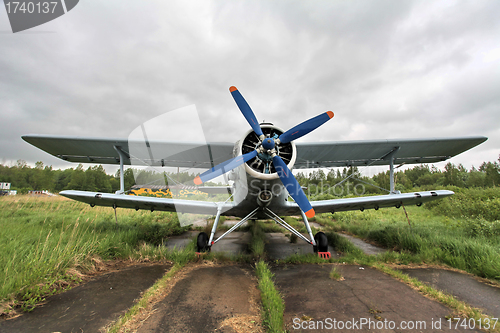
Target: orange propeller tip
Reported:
[(330, 114), (197, 180), (310, 213), (232, 88)]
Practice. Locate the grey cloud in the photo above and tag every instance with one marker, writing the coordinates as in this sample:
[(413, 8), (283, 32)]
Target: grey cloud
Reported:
[(387, 69)]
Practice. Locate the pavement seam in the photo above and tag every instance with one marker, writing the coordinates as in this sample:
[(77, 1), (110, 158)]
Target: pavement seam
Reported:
[(157, 292)]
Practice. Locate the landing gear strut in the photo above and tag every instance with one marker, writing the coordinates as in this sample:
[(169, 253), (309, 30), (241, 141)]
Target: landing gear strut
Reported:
[(204, 243), (319, 242)]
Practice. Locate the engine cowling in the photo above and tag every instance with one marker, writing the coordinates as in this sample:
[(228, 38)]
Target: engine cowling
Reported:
[(261, 166)]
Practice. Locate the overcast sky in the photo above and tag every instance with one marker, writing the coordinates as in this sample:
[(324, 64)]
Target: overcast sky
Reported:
[(387, 69)]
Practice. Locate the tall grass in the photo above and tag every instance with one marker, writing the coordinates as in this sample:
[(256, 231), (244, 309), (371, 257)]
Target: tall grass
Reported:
[(272, 303), (470, 203), (257, 244), (41, 239)]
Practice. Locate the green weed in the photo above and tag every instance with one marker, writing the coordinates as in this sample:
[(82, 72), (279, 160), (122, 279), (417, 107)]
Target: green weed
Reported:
[(257, 245), (335, 274), (272, 303)]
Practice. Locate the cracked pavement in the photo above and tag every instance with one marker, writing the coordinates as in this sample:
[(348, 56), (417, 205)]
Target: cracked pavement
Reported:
[(365, 294)]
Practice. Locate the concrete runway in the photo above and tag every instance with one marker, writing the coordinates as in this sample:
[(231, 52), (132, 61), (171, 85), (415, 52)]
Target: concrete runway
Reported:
[(464, 287), (366, 298), (219, 298), (90, 306)]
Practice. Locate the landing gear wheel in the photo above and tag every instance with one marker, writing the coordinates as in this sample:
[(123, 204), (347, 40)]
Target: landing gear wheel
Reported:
[(321, 242), (202, 243)]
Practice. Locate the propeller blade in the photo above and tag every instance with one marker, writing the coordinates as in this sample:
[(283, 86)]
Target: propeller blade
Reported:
[(305, 127), (293, 186), (224, 167), (246, 110)]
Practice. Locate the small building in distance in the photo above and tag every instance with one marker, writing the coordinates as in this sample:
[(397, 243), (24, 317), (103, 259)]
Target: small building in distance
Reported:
[(5, 189)]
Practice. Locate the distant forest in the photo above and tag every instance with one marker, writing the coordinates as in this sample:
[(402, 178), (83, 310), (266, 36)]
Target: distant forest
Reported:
[(25, 178)]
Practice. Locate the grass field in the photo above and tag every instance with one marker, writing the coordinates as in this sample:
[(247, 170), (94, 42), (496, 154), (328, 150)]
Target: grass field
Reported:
[(45, 241)]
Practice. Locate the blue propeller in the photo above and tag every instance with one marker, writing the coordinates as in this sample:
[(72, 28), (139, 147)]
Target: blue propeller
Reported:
[(247, 111), (224, 167), (267, 148), (292, 186), (307, 126)]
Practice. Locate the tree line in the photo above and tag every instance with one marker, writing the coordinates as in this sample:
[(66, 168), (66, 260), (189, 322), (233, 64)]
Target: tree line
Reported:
[(25, 178), (420, 176)]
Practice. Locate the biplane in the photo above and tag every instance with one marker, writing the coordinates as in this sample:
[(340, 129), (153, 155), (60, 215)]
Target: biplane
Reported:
[(259, 166)]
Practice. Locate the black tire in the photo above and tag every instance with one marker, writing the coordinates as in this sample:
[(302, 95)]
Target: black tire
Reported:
[(321, 242), (202, 242)]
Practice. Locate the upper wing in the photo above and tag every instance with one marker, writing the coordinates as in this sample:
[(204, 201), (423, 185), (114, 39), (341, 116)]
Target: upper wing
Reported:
[(102, 151), (148, 203), (373, 202), (207, 155), (377, 152)]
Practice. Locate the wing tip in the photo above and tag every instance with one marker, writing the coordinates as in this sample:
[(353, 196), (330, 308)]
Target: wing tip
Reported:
[(330, 114), (232, 88), (197, 180)]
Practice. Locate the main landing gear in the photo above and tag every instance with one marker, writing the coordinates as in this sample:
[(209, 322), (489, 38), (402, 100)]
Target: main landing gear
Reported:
[(319, 241), (202, 243), (321, 247)]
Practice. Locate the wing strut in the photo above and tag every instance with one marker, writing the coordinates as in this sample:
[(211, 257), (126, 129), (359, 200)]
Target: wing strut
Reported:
[(214, 227), (308, 227), (122, 176), (391, 156)]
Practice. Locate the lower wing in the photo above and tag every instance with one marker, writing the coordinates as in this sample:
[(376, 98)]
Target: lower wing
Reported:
[(373, 202), (291, 208), (147, 203)]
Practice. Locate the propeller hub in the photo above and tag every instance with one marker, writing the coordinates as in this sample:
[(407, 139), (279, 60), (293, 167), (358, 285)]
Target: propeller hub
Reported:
[(268, 143)]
